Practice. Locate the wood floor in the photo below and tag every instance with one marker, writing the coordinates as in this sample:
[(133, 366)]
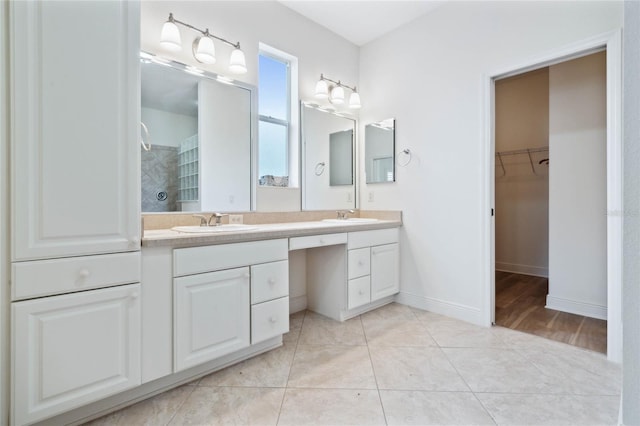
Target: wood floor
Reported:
[(520, 301)]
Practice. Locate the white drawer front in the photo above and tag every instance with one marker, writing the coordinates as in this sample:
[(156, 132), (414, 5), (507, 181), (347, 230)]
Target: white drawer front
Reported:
[(269, 319), (359, 292), (196, 260), (359, 262), (55, 276), (269, 281), (373, 238), (298, 243)]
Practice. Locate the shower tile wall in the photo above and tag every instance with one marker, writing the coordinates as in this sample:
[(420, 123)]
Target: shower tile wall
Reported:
[(159, 175)]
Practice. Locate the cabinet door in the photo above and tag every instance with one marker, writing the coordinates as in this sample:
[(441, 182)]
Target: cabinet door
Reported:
[(73, 349), (385, 271), (75, 102), (211, 316)]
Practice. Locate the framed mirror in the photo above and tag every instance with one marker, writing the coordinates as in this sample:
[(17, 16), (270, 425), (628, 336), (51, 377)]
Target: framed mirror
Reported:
[(379, 151), (328, 160), (200, 128)]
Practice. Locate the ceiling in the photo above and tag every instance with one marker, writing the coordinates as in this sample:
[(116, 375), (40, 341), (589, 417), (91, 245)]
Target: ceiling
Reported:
[(361, 21)]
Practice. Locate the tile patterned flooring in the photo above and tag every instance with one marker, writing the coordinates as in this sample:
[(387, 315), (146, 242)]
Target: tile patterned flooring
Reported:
[(397, 366)]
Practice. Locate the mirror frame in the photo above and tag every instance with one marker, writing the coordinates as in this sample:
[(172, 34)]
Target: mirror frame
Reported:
[(147, 57), (393, 152), (303, 149)]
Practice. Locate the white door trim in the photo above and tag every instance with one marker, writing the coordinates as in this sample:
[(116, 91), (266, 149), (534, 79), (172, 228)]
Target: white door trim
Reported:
[(612, 42)]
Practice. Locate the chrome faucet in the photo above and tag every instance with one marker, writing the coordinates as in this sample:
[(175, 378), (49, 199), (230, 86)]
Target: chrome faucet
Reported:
[(342, 214), (204, 221)]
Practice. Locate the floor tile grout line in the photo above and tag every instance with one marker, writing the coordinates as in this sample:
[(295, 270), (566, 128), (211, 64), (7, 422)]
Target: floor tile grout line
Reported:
[(373, 369), (286, 386), (175, 413)]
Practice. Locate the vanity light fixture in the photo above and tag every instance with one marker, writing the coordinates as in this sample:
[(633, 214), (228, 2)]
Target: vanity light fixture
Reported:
[(335, 92), (202, 47)]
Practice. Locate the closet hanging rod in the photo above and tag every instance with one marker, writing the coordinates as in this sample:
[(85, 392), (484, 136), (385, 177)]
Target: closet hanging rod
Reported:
[(523, 151)]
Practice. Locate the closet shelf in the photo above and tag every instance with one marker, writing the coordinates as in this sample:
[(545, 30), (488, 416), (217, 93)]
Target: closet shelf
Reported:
[(527, 151)]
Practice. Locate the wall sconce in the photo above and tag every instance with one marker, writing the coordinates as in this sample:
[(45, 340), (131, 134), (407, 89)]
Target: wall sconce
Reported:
[(202, 47), (335, 92)]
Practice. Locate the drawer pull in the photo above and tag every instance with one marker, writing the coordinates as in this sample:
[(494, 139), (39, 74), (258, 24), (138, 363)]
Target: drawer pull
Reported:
[(322, 241), (134, 241), (273, 319), (360, 263), (360, 292), (84, 273), (271, 281)]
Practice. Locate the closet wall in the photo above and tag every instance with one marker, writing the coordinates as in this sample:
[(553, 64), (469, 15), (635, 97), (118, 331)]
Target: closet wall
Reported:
[(522, 189)]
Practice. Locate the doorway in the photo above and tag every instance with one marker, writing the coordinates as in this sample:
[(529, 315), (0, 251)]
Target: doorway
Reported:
[(551, 258), (611, 44)]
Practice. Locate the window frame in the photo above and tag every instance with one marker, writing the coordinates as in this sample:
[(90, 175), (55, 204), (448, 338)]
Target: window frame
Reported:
[(291, 123)]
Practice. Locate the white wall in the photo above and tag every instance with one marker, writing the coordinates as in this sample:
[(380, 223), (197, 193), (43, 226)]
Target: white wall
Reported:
[(250, 22), (430, 75), (167, 128), (522, 196), (4, 218), (578, 186), (631, 238)]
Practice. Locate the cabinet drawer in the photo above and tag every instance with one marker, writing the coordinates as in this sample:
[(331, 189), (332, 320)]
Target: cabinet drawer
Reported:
[(299, 243), (269, 319), (373, 238), (47, 277), (196, 260), (359, 292), (269, 281), (359, 262)]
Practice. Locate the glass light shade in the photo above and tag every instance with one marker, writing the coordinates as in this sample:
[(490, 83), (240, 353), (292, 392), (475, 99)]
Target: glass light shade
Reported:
[(337, 95), (204, 51), (170, 37), (322, 90), (354, 101), (237, 64)]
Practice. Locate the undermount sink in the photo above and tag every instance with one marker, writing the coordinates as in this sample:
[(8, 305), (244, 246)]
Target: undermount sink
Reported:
[(235, 227), (351, 220)]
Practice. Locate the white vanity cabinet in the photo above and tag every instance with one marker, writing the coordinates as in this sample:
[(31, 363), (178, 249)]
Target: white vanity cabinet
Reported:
[(75, 125), (73, 349), (373, 266), (228, 297)]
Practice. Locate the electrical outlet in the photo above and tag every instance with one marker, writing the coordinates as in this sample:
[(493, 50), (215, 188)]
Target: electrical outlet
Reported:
[(371, 197), (235, 218)]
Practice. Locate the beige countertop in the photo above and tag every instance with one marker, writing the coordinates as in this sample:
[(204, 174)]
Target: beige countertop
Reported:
[(170, 238)]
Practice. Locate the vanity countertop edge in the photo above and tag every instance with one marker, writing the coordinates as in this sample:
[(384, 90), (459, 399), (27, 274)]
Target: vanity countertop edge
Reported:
[(170, 238)]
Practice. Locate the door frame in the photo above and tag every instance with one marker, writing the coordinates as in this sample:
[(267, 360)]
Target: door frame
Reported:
[(612, 43)]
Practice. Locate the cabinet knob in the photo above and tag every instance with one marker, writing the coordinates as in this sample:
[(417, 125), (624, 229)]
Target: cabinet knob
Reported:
[(360, 263), (273, 319), (83, 273), (135, 295), (134, 241), (360, 292), (321, 241), (271, 281)]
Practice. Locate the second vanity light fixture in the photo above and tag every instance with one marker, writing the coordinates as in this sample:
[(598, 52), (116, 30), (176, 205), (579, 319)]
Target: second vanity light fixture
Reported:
[(335, 92), (203, 49)]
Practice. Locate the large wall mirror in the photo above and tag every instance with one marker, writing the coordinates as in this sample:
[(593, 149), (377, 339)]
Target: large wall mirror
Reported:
[(379, 151), (328, 152), (200, 129)]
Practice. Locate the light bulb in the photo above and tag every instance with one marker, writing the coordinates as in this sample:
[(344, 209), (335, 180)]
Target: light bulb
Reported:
[(354, 101), (204, 51), (170, 37), (337, 95), (322, 90), (237, 64)]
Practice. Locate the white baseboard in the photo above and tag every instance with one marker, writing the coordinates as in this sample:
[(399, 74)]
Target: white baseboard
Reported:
[(514, 268), (297, 304), (578, 308), (454, 310)]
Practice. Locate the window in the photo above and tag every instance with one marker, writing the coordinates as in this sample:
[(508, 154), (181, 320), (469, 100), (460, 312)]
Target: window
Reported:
[(277, 108)]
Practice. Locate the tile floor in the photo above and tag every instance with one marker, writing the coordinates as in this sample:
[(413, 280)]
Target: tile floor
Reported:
[(396, 365)]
